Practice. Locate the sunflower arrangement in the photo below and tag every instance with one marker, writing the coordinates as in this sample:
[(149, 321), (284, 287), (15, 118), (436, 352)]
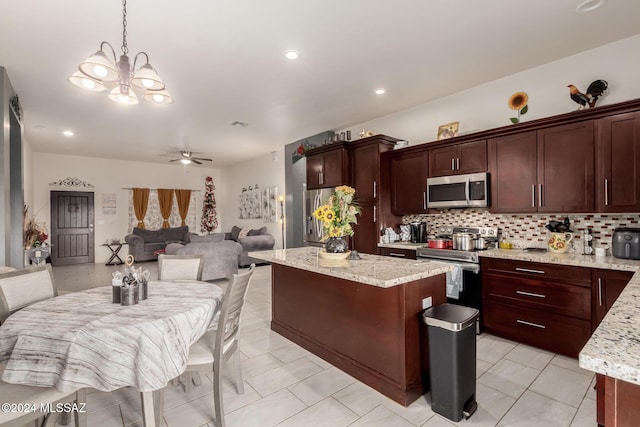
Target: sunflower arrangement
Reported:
[(518, 101), (338, 213)]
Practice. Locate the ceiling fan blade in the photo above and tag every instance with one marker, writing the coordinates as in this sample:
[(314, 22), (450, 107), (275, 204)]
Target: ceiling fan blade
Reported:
[(202, 159), (174, 160), (195, 161)]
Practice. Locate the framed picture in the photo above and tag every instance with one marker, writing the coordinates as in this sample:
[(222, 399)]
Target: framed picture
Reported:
[(448, 131)]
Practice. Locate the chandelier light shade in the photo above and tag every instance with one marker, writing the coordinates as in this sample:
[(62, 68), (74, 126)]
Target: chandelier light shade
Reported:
[(100, 74)]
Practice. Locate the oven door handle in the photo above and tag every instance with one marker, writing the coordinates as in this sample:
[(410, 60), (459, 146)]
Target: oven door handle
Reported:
[(474, 268)]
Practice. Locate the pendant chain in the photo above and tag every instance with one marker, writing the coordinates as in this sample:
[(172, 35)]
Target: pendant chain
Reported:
[(125, 49)]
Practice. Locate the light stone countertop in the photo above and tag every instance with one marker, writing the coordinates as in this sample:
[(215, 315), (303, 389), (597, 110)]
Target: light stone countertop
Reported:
[(402, 245), (374, 270), (614, 347)]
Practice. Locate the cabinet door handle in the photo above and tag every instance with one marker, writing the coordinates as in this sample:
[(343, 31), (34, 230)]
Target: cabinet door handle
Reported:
[(424, 200), (606, 192), (375, 190), (600, 291), (529, 270), (374, 214), (453, 164), (458, 163), (533, 196), (535, 325), (397, 254), (540, 195), (530, 294)]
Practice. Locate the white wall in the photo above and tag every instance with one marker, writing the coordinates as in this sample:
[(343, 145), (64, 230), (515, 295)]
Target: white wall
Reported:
[(485, 106), (27, 173), (264, 171), (113, 176)]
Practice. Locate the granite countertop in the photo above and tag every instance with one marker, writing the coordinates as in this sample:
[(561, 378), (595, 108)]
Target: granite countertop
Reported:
[(614, 347), (374, 270), (578, 260), (402, 245)]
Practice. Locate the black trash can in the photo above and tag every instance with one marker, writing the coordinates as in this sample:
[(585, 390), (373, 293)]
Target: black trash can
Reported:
[(452, 359)]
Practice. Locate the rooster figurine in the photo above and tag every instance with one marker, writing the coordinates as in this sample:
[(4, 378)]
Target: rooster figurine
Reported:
[(594, 91)]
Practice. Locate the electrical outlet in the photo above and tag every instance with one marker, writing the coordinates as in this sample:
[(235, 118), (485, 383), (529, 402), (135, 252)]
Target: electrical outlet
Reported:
[(426, 303)]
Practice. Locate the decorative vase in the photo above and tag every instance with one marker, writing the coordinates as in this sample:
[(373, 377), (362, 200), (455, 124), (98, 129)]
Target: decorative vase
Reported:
[(336, 245)]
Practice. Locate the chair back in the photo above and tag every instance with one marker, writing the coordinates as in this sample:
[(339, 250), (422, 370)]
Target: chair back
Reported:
[(180, 267), (19, 289), (229, 320)]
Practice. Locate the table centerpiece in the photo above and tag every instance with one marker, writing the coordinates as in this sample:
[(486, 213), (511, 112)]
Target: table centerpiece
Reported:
[(337, 215)]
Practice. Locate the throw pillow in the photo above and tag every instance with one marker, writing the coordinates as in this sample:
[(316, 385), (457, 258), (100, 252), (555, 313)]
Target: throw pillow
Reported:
[(259, 232), (234, 233), (244, 232), (209, 238)]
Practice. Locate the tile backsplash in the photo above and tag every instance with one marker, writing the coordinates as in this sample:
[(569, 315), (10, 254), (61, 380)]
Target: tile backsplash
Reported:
[(528, 230)]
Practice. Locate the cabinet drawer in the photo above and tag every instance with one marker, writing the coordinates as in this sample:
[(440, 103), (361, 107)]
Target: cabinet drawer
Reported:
[(398, 253), (555, 272), (569, 300), (560, 334)]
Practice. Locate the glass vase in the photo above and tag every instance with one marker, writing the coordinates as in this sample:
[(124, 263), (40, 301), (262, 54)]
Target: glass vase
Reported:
[(336, 245)]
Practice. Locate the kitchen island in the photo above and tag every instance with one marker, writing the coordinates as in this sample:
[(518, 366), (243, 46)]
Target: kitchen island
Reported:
[(362, 316)]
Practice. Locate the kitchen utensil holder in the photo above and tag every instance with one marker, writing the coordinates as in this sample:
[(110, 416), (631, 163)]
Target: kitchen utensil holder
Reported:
[(129, 295)]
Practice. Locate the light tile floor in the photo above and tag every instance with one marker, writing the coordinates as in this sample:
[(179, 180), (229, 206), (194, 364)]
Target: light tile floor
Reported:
[(285, 385)]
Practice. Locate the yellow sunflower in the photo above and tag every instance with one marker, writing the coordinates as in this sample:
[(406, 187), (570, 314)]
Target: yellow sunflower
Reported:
[(518, 100)]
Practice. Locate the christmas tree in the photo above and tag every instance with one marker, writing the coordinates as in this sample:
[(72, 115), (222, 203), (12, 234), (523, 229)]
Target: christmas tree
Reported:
[(209, 220)]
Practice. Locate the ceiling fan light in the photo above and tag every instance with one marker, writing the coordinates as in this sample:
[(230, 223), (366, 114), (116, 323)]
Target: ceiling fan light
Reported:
[(147, 78), (158, 97), (185, 161), (81, 80), (123, 94), (98, 67)]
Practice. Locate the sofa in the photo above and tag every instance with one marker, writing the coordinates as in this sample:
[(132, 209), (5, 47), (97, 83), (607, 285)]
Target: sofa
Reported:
[(144, 243), (250, 240), (221, 257)]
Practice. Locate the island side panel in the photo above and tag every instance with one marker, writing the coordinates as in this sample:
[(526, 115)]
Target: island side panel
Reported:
[(370, 332)]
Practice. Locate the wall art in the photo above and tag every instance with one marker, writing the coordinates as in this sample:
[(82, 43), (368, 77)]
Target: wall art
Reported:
[(250, 203), (448, 131), (269, 196)]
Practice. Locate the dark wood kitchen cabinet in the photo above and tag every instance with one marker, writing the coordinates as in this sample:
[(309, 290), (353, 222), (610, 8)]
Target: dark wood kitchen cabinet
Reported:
[(408, 182), (365, 178), (617, 402), (470, 157), (618, 163), (548, 170), (327, 166), (607, 287), (544, 305)]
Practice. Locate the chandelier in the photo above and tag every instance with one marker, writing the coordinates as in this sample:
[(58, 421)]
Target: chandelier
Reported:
[(99, 74)]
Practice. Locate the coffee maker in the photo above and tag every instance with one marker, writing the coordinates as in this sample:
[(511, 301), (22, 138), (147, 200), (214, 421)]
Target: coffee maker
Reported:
[(418, 232)]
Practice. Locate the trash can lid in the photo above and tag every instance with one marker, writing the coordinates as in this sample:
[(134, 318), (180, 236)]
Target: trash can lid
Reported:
[(450, 316)]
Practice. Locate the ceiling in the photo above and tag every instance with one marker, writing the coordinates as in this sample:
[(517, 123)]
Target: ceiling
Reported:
[(223, 61)]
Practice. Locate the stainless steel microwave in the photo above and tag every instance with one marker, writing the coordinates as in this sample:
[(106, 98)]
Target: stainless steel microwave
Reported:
[(458, 191)]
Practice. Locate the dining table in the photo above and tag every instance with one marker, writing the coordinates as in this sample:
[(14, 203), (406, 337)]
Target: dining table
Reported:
[(82, 339)]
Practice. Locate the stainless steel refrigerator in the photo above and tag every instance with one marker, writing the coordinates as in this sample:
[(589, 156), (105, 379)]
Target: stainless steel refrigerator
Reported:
[(313, 232)]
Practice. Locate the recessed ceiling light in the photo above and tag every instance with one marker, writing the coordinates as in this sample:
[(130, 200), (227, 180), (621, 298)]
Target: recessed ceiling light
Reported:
[(67, 133), (380, 91), (589, 5), (291, 55)]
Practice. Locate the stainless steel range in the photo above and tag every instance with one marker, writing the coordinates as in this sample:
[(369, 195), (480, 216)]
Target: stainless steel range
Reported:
[(464, 282)]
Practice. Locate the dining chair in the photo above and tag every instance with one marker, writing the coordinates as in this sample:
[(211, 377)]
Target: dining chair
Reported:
[(180, 267), (19, 289), (218, 344)]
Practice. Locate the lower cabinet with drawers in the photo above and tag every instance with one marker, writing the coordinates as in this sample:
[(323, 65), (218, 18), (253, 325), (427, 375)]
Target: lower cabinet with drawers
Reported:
[(544, 305)]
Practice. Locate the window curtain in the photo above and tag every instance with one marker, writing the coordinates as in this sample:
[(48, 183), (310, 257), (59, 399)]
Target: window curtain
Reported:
[(140, 201), (165, 200), (182, 198)]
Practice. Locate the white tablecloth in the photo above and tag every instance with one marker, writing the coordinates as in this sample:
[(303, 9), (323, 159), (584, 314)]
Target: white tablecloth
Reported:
[(81, 339)]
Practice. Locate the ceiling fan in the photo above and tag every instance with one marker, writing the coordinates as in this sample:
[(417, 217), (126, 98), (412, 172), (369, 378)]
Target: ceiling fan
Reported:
[(186, 157)]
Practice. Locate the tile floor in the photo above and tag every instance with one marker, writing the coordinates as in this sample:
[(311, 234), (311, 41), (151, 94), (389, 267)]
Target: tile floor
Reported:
[(285, 385)]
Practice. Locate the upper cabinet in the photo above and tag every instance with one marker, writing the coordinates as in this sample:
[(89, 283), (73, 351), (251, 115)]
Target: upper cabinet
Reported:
[(327, 166), (408, 182), (470, 157), (548, 170), (618, 163)]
